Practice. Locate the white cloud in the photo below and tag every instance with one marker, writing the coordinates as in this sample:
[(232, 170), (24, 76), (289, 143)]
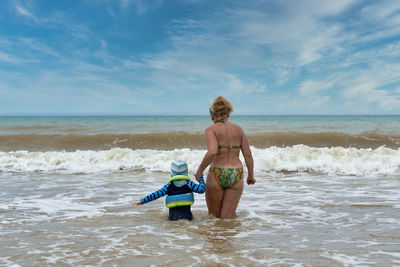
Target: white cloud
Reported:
[(23, 11), (388, 53), (286, 103), (77, 89), (141, 6), (103, 44), (377, 22), (383, 11), (379, 34), (298, 30), (24, 50), (9, 58), (124, 3), (310, 87), (319, 8), (370, 86), (37, 46), (55, 19), (237, 86)]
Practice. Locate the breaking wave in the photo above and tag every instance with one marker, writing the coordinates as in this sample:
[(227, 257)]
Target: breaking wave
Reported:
[(298, 158), (182, 139)]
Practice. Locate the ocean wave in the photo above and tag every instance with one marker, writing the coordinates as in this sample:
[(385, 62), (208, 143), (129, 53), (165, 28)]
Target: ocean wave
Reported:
[(182, 139), (44, 129), (298, 158)]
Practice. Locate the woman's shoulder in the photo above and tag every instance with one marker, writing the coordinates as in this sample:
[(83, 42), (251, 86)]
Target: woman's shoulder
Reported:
[(210, 128), (236, 127)]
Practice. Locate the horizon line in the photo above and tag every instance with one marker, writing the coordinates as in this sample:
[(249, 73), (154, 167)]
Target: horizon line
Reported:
[(178, 115)]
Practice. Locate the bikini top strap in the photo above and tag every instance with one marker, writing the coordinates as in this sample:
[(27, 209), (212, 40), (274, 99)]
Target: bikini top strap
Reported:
[(229, 147)]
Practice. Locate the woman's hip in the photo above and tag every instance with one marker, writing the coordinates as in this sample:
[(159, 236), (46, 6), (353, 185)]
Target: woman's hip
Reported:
[(226, 177)]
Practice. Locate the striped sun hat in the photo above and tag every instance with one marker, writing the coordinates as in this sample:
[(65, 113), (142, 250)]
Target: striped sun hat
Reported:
[(179, 167)]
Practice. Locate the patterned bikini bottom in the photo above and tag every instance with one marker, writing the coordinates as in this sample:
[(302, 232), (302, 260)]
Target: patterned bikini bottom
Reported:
[(226, 177)]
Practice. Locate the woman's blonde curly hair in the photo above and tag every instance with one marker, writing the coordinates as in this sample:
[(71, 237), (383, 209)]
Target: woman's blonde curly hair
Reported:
[(220, 109)]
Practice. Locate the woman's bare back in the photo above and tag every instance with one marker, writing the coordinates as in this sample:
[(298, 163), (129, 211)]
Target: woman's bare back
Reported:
[(229, 141)]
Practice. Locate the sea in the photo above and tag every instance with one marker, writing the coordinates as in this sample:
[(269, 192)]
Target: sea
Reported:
[(327, 192)]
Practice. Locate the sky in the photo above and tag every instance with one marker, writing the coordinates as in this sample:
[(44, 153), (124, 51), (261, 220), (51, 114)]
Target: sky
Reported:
[(146, 57)]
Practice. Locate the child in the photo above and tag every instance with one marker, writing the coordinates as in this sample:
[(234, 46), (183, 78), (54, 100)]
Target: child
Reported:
[(179, 191)]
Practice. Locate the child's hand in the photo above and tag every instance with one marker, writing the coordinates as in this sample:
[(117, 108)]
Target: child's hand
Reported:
[(136, 203)]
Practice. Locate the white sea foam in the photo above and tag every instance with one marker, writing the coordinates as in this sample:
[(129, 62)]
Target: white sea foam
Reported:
[(66, 208), (348, 260), (299, 158), (335, 160)]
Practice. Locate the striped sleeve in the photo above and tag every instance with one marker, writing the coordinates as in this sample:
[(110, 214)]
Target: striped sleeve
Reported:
[(155, 195), (198, 188)]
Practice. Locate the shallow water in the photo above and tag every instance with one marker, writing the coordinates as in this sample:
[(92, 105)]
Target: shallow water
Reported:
[(327, 193), (286, 219)]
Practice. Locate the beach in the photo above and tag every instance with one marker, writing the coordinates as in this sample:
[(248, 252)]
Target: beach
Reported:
[(327, 192)]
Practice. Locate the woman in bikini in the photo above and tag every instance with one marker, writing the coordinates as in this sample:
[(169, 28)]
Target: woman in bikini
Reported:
[(225, 140)]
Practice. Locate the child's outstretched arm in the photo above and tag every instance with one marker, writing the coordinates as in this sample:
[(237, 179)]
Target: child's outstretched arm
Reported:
[(153, 196), (198, 188)]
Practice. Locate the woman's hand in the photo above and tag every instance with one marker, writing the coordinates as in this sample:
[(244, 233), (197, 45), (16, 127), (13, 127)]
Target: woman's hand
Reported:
[(198, 175), (136, 203), (251, 180)]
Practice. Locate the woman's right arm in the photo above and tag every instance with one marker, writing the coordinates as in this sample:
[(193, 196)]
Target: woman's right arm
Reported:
[(248, 158), (212, 150)]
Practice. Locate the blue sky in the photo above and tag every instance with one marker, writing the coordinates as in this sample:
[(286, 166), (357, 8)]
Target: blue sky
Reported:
[(176, 56)]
